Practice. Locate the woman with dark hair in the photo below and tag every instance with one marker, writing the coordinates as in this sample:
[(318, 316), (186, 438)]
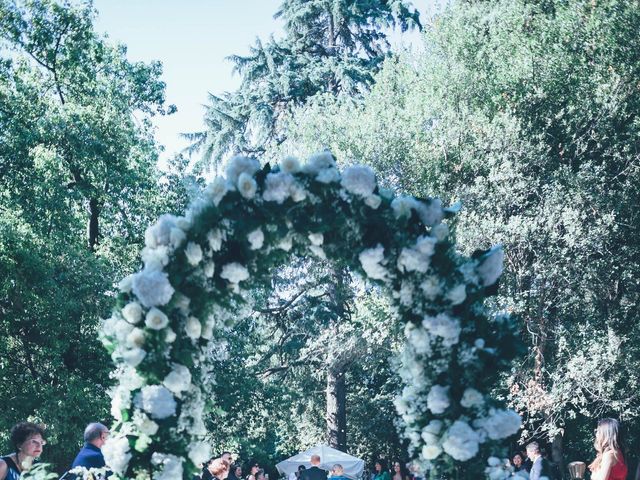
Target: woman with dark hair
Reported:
[(28, 440), (255, 468), (399, 472), (235, 472), (381, 471)]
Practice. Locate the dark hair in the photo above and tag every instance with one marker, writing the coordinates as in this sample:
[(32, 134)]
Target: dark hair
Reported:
[(22, 431), (382, 463), (225, 452), (301, 467)]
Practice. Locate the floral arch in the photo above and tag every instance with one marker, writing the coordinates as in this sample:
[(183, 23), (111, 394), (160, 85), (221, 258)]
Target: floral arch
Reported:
[(199, 268)]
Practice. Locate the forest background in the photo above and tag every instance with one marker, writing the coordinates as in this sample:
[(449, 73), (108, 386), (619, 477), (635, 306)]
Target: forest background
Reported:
[(525, 111)]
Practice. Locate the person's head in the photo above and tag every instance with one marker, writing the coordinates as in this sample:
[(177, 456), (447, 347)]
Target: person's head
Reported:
[(337, 470), (380, 465), (301, 468), (237, 471), (254, 469), (533, 450), (96, 434), (315, 460), (219, 468), (397, 467), (607, 436), (227, 457), (28, 439), (260, 475), (517, 460)]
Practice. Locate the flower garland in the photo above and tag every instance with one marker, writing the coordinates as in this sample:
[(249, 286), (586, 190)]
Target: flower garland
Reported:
[(198, 270)]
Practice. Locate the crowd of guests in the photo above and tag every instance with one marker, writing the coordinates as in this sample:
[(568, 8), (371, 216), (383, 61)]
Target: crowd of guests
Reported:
[(28, 440)]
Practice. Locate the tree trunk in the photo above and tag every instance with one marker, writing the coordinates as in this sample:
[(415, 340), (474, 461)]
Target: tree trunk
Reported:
[(93, 228), (557, 451), (336, 409)]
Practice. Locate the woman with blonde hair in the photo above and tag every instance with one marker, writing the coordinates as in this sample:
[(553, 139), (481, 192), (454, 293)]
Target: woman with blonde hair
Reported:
[(609, 463)]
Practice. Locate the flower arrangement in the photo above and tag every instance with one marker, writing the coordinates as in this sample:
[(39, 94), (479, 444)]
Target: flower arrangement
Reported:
[(199, 268)]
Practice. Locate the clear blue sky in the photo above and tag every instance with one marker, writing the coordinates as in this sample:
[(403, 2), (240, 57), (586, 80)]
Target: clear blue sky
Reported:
[(192, 38)]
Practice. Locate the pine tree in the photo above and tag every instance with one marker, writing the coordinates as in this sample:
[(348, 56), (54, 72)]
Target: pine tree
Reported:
[(329, 46)]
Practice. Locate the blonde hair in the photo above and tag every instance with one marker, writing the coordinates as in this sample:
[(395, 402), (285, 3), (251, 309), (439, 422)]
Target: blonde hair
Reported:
[(338, 469), (606, 440)]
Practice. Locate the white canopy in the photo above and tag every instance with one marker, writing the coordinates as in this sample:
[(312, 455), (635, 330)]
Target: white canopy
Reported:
[(353, 467)]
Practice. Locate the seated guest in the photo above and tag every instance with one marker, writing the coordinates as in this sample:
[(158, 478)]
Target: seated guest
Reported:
[(337, 472), (90, 456)]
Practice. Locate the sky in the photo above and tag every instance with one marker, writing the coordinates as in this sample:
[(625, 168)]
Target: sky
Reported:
[(192, 38)]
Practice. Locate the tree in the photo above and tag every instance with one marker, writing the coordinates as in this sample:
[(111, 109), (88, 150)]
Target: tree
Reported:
[(528, 113), (333, 47), (79, 183)]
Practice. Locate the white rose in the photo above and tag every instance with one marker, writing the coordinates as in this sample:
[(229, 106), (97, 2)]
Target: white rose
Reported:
[(170, 466), (431, 452), (491, 266), (443, 326), (126, 284), (440, 232), (471, 398), (134, 357), (371, 261), (430, 212), (373, 201), (155, 258), (169, 336), (318, 252), (156, 319), (359, 180), (159, 233), (457, 294), (330, 175), (178, 380), (402, 206), (431, 287), (215, 239), (286, 243), (278, 187), (193, 252), (256, 239), (132, 312), (234, 272), (316, 238), (117, 454), (239, 165), (247, 186), (462, 442), (319, 161), (217, 189), (500, 424), (157, 401), (193, 328), (209, 269), (152, 288), (438, 399), (135, 338), (290, 164), (199, 452), (177, 237), (145, 424)]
